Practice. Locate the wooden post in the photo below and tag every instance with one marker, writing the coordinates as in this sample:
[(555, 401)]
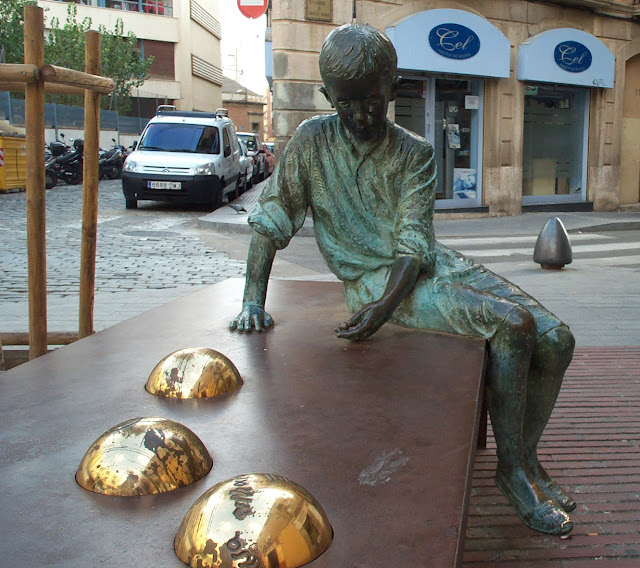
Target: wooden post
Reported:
[(53, 338), (36, 228), (71, 77), (51, 88), (10, 72), (89, 187)]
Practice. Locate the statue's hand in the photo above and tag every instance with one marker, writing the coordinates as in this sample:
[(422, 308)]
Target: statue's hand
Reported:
[(364, 323), (251, 318)]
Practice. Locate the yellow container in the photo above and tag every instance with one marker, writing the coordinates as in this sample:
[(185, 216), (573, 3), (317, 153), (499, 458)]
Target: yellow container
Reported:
[(13, 161)]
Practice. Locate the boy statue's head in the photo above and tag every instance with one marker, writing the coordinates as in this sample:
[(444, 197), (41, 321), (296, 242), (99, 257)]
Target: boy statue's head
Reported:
[(358, 67)]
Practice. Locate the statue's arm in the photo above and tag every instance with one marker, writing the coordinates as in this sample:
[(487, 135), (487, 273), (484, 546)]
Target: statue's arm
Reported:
[(368, 320), (253, 316)]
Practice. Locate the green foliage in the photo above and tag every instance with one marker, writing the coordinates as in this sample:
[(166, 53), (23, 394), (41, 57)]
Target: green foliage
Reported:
[(12, 29), (119, 56), (64, 47), (121, 62)]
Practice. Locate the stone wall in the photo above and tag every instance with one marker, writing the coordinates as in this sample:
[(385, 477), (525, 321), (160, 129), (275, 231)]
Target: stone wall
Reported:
[(296, 79)]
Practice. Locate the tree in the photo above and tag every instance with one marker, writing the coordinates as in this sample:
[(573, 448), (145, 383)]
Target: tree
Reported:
[(64, 47), (120, 57), (12, 26), (122, 61)]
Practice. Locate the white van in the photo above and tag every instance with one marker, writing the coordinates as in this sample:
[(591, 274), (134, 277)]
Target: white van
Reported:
[(184, 156)]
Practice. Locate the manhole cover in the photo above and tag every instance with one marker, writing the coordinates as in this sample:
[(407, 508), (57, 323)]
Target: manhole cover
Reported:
[(150, 234)]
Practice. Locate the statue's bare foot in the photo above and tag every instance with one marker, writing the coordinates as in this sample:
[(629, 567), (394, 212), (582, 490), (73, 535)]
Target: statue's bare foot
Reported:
[(531, 503), (551, 488)]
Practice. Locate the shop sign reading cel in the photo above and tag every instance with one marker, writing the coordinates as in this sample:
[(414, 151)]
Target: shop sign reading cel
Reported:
[(572, 56), (454, 41)]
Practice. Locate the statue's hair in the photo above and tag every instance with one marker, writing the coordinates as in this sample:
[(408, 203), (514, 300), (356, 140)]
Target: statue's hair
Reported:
[(354, 51)]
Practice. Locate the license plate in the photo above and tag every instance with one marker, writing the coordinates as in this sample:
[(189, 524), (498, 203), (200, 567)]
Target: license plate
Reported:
[(164, 185)]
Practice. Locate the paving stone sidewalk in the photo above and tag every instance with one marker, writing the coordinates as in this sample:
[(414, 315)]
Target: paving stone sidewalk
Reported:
[(145, 258)]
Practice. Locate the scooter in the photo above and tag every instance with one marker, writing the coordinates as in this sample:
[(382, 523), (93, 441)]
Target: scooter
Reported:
[(110, 162), (50, 173), (67, 166), (53, 152)]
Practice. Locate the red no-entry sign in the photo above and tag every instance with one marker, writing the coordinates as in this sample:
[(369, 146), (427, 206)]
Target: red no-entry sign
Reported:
[(253, 8)]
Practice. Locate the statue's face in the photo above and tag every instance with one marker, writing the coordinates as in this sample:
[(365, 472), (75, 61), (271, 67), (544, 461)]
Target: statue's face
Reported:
[(361, 104)]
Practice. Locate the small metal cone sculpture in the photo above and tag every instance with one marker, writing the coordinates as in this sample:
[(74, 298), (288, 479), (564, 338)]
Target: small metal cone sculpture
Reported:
[(553, 249)]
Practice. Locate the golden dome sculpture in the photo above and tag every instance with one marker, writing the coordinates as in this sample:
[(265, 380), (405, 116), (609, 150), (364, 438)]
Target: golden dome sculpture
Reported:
[(143, 456), (194, 372), (256, 519)]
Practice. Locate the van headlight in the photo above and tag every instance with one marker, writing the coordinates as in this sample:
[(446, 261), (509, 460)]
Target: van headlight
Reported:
[(206, 169), (130, 166)]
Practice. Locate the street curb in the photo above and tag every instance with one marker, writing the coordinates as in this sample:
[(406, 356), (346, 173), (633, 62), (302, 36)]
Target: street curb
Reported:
[(224, 224), (230, 219), (607, 227)]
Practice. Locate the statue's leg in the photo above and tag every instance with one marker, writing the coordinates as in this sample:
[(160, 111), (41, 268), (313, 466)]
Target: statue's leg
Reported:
[(486, 305), (510, 353), (550, 359)]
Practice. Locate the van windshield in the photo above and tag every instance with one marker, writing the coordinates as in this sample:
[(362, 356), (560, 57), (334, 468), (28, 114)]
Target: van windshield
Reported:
[(171, 137)]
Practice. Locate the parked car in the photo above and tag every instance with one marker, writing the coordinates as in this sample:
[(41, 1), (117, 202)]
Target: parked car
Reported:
[(270, 156), (246, 166), (257, 153), (184, 156)]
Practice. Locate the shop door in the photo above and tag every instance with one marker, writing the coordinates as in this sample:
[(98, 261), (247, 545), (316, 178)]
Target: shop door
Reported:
[(555, 144), (448, 113)]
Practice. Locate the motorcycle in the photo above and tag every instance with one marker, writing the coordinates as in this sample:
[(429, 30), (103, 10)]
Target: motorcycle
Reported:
[(64, 164), (50, 172), (54, 151), (110, 162)]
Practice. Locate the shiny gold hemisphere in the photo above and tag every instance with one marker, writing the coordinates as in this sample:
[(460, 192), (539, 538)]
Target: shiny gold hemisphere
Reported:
[(260, 520), (143, 456), (194, 372)]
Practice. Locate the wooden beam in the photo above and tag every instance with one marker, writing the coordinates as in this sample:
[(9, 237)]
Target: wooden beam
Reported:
[(22, 73), (53, 338), (93, 82), (51, 88), (36, 220), (89, 188)]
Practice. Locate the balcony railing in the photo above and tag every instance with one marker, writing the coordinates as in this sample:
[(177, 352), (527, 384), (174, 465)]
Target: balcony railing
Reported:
[(160, 7)]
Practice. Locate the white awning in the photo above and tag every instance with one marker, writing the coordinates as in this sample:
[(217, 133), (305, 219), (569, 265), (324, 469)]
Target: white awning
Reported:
[(451, 41), (566, 56)]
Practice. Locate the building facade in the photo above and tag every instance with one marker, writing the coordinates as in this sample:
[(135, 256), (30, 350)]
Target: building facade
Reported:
[(527, 104), (183, 36), (246, 108)]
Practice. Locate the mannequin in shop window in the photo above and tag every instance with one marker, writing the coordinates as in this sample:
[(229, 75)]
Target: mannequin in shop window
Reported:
[(371, 186)]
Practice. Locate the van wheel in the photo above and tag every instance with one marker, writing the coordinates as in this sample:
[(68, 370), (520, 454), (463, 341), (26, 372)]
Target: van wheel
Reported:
[(236, 192), (131, 203), (216, 198)]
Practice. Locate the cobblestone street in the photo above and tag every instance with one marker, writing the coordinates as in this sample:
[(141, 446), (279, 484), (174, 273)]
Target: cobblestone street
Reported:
[(156, 250)]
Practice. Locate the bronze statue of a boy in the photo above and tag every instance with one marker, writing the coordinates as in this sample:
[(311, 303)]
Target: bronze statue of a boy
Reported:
[(370, 185)]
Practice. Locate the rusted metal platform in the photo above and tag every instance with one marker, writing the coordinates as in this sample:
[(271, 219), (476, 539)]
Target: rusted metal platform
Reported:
[(592, 446), (381, 432)]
